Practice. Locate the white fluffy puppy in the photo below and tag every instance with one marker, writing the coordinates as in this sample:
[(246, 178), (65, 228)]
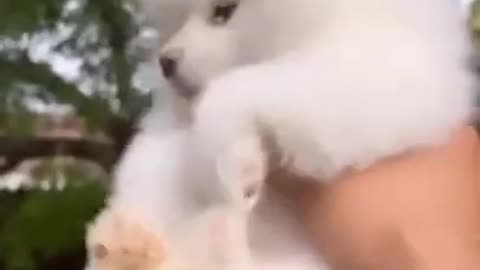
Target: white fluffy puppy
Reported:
[(374, 79)]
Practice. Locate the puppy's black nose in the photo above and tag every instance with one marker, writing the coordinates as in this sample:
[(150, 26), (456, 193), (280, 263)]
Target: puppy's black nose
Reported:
[(168, 65), (169, 60)]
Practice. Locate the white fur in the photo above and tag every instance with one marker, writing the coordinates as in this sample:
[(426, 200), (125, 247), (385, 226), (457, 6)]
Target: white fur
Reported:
[(377, 79), (165, 194), (150, 177)]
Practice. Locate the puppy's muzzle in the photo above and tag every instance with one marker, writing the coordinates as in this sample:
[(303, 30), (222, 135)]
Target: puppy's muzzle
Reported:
[(169, 61)]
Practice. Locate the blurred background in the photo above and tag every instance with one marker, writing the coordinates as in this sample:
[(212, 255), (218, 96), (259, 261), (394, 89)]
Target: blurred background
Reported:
[(73, 82), (74, 79)]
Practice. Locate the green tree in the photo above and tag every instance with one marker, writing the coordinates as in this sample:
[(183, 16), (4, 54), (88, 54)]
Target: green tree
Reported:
[(95, 33), (44, 229)]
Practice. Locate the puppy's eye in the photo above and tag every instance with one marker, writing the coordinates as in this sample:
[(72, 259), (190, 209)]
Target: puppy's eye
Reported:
[(223, 11)]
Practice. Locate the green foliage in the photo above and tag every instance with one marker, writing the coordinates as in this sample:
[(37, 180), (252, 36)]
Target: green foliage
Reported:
[(23, 16), (94, 33), (46, 224), (35, 225), (474, 16), (474, 21)]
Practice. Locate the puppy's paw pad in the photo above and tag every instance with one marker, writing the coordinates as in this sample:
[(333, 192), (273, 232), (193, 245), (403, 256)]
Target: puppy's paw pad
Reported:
[(100, 251), (124, 239)]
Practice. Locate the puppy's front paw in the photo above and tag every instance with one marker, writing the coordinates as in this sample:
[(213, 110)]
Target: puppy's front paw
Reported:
[(120, 240), (243, 170)]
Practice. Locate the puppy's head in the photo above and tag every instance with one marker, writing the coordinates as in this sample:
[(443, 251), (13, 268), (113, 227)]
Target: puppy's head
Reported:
[(204, 38)]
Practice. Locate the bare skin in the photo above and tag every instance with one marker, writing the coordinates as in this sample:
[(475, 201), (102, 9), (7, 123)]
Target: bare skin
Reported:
[(419, 211)]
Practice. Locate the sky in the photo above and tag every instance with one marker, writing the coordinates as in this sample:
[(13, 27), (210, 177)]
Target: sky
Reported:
[(465, 3)]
